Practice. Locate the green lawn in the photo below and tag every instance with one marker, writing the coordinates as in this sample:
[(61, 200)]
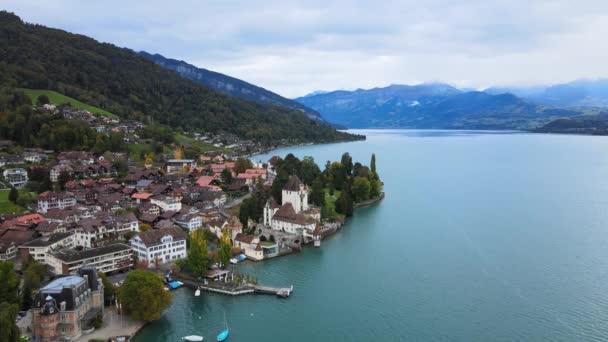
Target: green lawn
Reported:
[(6, 206), (331, 200), (57, 99)]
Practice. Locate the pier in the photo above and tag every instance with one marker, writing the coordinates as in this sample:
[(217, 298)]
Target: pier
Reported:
[(221, 288), (279, 291)]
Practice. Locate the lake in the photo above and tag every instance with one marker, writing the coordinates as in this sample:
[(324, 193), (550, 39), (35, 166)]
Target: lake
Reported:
[(482, 236)]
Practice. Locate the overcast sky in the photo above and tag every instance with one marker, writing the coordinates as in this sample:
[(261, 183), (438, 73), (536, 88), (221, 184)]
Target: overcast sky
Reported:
[(293, 48)]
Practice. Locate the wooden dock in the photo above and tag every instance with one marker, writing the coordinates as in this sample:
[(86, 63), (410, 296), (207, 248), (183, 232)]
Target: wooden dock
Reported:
[(278, 291)]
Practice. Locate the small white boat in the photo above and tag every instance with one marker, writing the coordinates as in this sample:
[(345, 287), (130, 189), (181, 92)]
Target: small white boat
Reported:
[(197, 292), (193, 338), (234, 261)]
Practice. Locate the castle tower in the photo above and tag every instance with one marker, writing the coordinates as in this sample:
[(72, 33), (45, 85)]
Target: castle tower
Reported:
[(296, 193)]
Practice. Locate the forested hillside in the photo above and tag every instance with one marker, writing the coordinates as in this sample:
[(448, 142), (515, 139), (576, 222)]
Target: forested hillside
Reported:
[(121, 82)]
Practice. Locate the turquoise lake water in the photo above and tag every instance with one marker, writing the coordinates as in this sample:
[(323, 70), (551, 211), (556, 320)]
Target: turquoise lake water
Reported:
[(482, 236)]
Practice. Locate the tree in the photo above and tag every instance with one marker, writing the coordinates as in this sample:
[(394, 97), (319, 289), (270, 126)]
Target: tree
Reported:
[(226, 176), (26, 297), (108, 288), (344, 204), (372, 166), (9, 283), (309, 170), (347, 161), (34, 274), (13, 195), (42, 100), (225, 252), (143, 296), (317, 193), (144, 227), (241, 165), (8, 314), (63, 178), (361, 189), (376, 189), (198, 257)]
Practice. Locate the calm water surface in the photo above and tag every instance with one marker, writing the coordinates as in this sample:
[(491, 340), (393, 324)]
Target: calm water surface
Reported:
[(482, 237)]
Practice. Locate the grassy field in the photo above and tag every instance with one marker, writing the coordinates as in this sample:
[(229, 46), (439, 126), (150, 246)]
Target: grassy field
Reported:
[(57, 99), (331, 200), (6, 206), (203, 146)]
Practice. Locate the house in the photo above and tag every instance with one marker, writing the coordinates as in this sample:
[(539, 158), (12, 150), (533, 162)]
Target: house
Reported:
[(158, 246), (39, 248), (294, 216), (149, 209), (8, 250), (189, 221), (58, 169), (16, 238), (166, 203), (16, 177), (140, 197), (55, 200), (33, 157), (107, 259), (234, 227), (126, 223), (91, 231), (254, 248), (178, 165), (67, 306)]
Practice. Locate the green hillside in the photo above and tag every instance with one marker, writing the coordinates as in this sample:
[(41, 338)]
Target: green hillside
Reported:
[(58, 99), (132, 87)]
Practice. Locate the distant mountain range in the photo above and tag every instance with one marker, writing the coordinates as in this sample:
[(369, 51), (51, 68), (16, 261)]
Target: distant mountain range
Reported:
[(228, 85), (433, 105), (580, 93)]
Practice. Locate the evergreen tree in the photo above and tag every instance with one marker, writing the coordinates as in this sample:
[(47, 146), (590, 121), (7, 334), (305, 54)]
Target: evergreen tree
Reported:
[(372, 166), (317, 193), (108, 288), (13, 195), (347, 162), (26, 297)]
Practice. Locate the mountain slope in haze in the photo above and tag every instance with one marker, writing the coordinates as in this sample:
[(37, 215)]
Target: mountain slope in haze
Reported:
[(430, 106), (579, 93), (228, 85), (120, 81)]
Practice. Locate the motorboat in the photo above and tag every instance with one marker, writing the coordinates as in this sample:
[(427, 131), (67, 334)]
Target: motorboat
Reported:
[(193, 338)]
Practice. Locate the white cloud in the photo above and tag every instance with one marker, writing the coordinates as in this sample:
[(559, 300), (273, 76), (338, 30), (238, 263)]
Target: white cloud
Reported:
[(297, 47)]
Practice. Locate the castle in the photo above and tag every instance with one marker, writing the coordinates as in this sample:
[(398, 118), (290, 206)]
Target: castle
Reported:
[(294, 216)]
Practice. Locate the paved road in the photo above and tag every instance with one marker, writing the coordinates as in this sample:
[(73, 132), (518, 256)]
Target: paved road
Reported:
[(236, 201)]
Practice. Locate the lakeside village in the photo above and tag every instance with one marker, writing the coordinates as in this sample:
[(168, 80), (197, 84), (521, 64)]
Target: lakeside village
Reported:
[(76, 222)]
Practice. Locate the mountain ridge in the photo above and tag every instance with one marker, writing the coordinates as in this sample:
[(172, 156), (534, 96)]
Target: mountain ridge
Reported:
[(227, 84)]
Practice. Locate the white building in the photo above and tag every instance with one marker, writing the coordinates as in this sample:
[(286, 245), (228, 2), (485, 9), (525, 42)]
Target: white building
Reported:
[(167, 203), (17, 177), (106, 259), (58, 169), (38, 249), (189, 221), (160, 245), (177, 165), (53, 200), (294, 216)]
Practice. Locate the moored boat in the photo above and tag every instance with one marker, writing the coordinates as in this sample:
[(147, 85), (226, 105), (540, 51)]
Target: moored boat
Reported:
[(193, 338)]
